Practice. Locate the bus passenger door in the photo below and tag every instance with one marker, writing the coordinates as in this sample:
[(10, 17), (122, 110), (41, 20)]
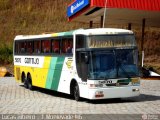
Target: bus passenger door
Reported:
[(82, 70)]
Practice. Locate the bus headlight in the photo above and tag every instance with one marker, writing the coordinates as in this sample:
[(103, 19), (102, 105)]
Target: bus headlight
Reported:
[(135, 81), (135, 90)]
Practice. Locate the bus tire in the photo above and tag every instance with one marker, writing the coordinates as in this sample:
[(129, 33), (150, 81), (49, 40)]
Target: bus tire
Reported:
[(23, 77), (26, 83), (76, 93), (29, 82)]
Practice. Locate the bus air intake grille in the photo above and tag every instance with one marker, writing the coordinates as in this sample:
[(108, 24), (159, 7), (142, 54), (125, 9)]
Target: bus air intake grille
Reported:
[(120, 83)]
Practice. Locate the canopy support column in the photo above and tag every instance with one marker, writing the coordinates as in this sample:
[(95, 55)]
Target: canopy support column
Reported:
[(129, 26), (142, 39), (143, 30), (90, 24), (101, 24)]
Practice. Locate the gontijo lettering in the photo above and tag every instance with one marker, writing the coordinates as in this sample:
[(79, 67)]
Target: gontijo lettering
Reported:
[(31, 60)]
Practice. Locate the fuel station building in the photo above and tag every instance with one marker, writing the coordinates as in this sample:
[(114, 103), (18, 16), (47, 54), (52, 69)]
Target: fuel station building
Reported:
[(129, 13)]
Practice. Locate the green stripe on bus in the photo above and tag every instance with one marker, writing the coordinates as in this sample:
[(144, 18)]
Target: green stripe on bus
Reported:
[(51, 72), (66, 33), (57, 73), (124, 81)]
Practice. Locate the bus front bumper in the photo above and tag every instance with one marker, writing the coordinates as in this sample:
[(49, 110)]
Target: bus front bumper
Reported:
[(114, 92)]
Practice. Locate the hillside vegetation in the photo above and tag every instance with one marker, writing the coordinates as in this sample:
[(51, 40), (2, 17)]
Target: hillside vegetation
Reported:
[(39, 16), (33, 17), (23, 17)]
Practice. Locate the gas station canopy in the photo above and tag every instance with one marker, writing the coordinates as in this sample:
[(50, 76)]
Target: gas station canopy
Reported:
[(117, 11)]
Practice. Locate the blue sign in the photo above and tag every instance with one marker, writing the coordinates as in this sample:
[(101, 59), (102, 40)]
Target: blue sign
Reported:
[(76, 6)]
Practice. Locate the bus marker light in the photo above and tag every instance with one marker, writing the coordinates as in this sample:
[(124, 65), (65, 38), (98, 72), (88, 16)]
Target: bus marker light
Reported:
[(135, 81)]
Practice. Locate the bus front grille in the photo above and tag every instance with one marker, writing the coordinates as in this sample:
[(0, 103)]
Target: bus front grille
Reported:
[(120, 83)]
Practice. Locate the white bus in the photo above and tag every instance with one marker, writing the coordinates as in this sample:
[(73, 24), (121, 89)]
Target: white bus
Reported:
[(86, 63)]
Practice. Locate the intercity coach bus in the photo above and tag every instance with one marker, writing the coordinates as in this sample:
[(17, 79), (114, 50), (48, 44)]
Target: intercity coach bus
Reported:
[(95, 63)]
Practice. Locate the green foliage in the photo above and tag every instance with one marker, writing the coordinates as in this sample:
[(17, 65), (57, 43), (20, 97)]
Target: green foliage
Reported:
[(6, 54)]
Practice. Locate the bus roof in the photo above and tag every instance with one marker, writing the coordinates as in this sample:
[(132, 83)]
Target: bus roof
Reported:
[(25, 37), (95, 31), (103, 31)]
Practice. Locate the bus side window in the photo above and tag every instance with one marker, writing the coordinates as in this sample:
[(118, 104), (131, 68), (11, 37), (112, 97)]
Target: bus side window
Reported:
[(17, 47), (67, 45), (56, 46), (46, 46), (37, 46), (80, 41), (22, 47), (29, 47)]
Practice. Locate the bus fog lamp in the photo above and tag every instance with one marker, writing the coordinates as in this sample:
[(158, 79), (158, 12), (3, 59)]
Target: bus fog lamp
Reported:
[(134, 90)]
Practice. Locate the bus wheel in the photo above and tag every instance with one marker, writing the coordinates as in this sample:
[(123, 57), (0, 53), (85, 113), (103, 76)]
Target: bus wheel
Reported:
[(24, 80), (29, 83), (76, 92)]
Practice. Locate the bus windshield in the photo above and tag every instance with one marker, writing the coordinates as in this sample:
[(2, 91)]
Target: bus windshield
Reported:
[(120, 63), (103, 41)]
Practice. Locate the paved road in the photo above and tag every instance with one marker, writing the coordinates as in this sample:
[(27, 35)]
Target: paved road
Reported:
[(15, 99)]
